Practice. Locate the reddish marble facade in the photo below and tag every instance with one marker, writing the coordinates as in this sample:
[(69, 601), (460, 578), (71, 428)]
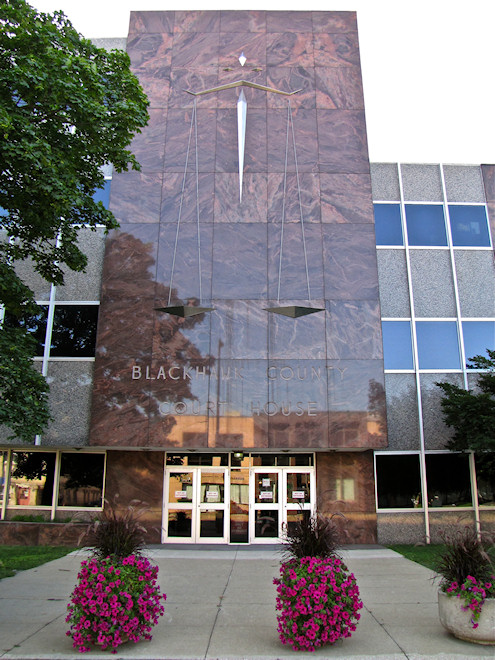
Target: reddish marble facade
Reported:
[(240, 376)]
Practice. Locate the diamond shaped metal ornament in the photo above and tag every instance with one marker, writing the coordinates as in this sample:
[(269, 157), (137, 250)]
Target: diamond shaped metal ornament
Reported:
[(184, 311), (294, 311)]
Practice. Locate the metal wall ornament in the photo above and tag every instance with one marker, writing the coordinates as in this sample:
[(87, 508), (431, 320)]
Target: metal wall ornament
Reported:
[(292, 311)]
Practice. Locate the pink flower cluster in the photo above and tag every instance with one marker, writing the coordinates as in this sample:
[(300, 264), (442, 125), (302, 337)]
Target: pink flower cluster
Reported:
[(114, 602), (473, 593), (318, 602)]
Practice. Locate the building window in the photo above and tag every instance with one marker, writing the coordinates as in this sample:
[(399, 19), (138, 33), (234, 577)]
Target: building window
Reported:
[(478, 336), (397, 345), (81, 480), (469, 226), (35, 324), (388, 226), (425, 225), (74, 331), (438, 345), (485, 477), (398, 481), (32, 478), (103, 194), (449, 483)]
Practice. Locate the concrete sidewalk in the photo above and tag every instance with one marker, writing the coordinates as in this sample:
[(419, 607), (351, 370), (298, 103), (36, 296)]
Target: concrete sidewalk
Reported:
[(221, 604)]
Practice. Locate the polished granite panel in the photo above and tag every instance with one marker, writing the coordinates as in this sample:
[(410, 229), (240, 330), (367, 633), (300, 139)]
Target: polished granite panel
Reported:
[(290, 79), (239, 261), (252, 44), (255, 98), (150, 22), (334, 21), (289, 49), (346, 486), (339, 88), (302, 337), (290, 196), (338, 49), (239, 329), (149, 145), (184, 261), (346, 198), (149, 52), (353, 330), (195, 49), (198, 21), (137, 476), (181, 132), (305, 138), (125, 324), (342, 141), (185, 198), (240, 376), (242, 21), (228, 207), (227, 159), (349, 254), (195, 80), (295, 21), (299, 273), (129, 207)]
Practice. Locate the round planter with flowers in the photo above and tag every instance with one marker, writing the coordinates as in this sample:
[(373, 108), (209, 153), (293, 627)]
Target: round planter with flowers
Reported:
[(116, 598), (318, 599), (466, 598)]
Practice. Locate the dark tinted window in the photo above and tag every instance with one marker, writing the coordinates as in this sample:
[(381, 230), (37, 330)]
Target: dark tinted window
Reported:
[(448, 480), (81, 480), (398, 481), (74, 331), (35, 324)]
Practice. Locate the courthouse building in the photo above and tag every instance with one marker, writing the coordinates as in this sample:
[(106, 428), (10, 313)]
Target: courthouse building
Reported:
[(264, 332)]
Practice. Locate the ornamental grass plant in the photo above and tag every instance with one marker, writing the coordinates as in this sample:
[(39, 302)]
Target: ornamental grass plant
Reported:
[(318, 599), (466, 568), (117, 598)]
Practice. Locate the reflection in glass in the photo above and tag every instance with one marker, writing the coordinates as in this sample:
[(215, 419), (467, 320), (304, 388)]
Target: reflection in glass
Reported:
[(469, 226), (438, 345), (212, 487), (35, 324), (74, 331), (398, 481), (32, 478), (426, 224), (295, 517), (266, 524), (298, 487), (180, 487), (485, 477), (81, 480), (397, 345), (447, 476), (266, 488), (180, 523), (215, 460), (239, 506), (388, 227), (211, 523), (478, 336), (3, 474), (103, 194)]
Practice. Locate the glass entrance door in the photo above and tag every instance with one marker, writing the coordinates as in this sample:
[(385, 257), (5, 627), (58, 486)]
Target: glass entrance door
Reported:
[(194, 507), (279, 498)]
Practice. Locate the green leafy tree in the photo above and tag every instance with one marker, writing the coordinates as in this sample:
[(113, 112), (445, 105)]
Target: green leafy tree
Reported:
[(471, 413), (67, 108)]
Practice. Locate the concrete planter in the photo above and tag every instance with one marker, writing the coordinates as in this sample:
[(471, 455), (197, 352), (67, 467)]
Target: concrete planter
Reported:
[(459, 623)]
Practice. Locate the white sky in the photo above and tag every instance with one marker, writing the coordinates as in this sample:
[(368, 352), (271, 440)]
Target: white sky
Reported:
[(428, 67)]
